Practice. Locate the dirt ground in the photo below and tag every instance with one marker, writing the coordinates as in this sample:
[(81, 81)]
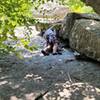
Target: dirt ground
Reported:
[(53, 77)]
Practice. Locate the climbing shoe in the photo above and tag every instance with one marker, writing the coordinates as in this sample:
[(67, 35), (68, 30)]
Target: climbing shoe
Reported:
[(54, 53), (44, 53)]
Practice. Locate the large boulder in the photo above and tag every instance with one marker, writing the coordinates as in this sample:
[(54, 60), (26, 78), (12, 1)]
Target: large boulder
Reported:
[(85, 38), (49, 14), (94, 3), (69, 21)]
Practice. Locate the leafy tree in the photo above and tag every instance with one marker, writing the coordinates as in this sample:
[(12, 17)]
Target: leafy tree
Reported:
[(76, 6), (12, 13)]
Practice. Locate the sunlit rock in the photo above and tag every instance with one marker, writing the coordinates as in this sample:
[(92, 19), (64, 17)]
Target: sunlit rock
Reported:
[(49, 13), (85, 38)]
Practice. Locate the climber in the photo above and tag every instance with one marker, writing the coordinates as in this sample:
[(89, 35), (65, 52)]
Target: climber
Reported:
[(52, 44)]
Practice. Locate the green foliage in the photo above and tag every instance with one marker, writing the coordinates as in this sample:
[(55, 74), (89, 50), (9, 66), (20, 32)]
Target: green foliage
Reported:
[(13, 13), (76, 6)]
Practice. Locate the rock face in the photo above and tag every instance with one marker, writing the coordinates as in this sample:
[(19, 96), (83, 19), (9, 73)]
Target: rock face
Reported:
[(49, 14), (69, 21), (85, 38), (94, 3), (83, 33)]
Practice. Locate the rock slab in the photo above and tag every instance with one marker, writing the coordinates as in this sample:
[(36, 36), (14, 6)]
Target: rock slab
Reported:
[(85, 38)]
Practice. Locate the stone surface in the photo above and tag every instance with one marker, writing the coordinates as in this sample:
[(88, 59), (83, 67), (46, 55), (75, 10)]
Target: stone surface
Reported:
[(69, 21), (38, 77), (67, 26), (81, 31), (49, 78), (50, 11), (85, 38), (49, 14)]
